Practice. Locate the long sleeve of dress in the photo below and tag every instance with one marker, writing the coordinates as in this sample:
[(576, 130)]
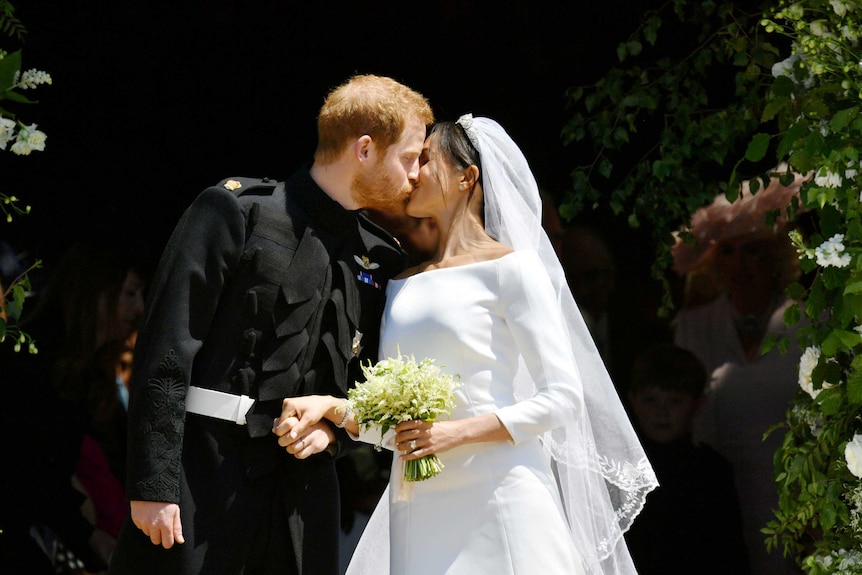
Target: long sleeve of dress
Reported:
[(203, 250), (527, 298)]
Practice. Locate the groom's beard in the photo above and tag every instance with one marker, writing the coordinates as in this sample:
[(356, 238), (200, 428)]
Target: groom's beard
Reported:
[(377, 190)]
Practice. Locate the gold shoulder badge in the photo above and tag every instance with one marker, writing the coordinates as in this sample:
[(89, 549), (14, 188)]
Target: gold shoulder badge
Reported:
[(232, 185), (366, 263)]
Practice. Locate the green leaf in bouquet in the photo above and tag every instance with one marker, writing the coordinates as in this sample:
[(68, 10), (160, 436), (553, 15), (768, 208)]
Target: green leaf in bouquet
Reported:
[(16, 97), (10, 65)]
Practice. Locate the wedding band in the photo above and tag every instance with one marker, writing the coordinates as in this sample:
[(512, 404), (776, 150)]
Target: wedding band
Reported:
[(412, 444), (301, 443)]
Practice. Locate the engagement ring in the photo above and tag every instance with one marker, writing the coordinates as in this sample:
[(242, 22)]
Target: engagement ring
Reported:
[(412, 444)]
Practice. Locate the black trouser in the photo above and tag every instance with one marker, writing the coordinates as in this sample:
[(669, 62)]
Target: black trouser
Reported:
[(284, 521)]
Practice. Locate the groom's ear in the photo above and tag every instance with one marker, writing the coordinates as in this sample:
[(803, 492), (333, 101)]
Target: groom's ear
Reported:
[(363, 148)]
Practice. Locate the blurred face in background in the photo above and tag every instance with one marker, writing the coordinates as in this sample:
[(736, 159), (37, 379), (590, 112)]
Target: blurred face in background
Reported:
[(746, 261), (121, 320), (663, 415)]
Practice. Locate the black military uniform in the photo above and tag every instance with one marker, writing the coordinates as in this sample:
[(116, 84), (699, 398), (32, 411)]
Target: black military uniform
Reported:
[(269, 290)]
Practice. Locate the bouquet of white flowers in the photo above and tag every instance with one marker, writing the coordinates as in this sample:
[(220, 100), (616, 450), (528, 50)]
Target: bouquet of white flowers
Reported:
[(399, 389)]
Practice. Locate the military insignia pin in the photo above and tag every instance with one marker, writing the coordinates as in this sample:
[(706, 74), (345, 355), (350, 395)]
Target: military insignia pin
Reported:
[(357, 340), (232, 185), (366, 278), (366, 263)]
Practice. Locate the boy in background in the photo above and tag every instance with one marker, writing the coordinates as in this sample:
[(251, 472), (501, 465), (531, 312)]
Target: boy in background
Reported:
[(691, 523)]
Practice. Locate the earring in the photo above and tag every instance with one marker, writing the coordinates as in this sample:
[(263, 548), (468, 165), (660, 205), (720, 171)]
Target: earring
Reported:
[(462, 187)]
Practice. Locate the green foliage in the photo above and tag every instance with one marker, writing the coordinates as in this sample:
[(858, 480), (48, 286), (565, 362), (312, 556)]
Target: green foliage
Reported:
[(10, 68), (11, 308), (814, 103), (9, 205), (27, 139), (797, 95), (663, 125), (9, 24)]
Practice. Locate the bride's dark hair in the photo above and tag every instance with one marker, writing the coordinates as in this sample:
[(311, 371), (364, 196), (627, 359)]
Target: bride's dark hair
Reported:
[(451, 139)]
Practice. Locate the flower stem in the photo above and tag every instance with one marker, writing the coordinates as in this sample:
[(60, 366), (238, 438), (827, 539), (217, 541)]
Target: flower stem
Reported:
[(423, 468)]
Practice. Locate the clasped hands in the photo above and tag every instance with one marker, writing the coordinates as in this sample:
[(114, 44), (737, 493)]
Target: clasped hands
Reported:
[(301, 429), (301, 425)]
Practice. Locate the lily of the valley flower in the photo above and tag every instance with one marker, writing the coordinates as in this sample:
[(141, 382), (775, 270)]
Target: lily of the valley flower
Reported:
[(32, 78)]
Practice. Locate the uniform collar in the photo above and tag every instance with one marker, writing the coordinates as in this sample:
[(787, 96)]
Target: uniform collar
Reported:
[(323, 210), (379, 245)]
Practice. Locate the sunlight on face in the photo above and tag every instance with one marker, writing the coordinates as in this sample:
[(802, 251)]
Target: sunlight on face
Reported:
[(386, 184), (435, 179)]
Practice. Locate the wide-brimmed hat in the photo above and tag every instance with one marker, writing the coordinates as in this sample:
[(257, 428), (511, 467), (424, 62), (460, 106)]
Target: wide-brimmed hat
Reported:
[(745, 217)]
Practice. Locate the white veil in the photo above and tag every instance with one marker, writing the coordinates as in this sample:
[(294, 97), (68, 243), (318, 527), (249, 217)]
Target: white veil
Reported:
[(603, 472)]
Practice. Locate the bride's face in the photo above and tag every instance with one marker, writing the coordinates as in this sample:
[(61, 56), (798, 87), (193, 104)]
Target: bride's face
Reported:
[(433, 194)]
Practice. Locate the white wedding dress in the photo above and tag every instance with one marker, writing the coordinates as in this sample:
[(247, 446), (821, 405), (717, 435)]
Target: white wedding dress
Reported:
[(495, 508)]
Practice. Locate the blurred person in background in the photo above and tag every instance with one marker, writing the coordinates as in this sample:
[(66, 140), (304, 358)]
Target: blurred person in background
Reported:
[(93, 298), (736, 272)]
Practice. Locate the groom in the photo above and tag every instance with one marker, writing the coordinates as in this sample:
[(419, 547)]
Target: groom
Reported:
[(266, 290)]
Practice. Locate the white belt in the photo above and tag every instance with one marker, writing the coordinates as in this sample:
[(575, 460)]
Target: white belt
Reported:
[(217, 404)]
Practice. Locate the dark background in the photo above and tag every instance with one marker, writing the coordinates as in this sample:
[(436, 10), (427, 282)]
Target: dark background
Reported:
[(151, 102)]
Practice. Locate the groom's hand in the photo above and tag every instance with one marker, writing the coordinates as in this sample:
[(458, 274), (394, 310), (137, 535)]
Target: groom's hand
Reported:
[(314, 439), (159, 521)]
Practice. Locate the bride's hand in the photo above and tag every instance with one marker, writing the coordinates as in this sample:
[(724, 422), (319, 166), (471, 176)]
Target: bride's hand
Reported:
[(415, 439), (298, 414)]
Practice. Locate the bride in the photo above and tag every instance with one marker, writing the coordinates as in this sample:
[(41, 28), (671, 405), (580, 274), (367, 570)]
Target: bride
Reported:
[(542, 470)]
